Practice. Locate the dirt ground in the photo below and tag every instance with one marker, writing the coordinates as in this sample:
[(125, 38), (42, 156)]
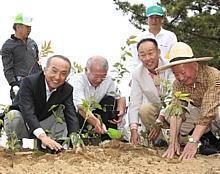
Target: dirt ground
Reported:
[(113, 157)]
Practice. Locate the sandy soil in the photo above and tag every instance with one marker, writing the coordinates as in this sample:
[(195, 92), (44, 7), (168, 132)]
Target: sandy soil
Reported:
[(114, 157)]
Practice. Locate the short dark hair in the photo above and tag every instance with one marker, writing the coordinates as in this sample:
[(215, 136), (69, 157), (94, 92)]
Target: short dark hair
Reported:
[(59, 56), (147, 40), (14, 26)]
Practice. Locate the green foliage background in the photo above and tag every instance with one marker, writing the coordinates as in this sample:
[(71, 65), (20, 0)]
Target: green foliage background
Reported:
[(194, 22)]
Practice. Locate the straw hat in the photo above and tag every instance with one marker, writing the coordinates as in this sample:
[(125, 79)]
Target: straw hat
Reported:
[(181, 53)]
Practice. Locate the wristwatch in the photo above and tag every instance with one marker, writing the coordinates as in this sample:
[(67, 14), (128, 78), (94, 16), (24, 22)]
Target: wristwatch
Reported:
[(191, 140)]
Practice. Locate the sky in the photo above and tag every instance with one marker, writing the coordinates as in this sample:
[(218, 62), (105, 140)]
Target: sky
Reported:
[(77, 29)]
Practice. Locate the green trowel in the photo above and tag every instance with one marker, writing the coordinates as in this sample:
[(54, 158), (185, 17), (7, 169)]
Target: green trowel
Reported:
[(114, 133)]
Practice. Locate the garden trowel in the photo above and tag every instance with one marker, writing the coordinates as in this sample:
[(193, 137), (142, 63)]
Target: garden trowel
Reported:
[(114, 133)]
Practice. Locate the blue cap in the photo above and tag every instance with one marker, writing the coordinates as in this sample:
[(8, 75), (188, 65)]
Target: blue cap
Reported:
[(155, 10)]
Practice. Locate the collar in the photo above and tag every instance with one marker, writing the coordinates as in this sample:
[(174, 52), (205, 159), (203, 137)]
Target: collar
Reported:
[(47, 88), (15, 38), (200, 77), (162, 32), (87, 80), (160, 63)]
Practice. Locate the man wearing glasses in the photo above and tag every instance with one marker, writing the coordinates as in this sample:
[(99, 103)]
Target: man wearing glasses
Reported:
[(97, 85)]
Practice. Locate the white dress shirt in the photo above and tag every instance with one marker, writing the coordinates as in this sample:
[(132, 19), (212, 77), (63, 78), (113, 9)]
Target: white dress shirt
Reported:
[(82, 89), (165, 40), (39, 131)]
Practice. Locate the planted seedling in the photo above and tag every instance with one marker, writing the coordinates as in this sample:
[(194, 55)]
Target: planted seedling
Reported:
[(89, 106), (119, 68), (90, 137), (13, 142), (57, 111), (176, 110), (165, 98), (165, 94), (177, 107)]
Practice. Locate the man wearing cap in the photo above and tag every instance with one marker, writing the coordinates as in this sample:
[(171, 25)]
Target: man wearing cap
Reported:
[(19, 54), (165, 39), (202, 83)]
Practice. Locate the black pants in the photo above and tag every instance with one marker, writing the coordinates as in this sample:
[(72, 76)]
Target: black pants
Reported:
[(107, 102), (210, 144)]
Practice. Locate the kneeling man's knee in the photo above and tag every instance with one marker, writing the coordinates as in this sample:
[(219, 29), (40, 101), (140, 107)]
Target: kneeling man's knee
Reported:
[(149, 113)]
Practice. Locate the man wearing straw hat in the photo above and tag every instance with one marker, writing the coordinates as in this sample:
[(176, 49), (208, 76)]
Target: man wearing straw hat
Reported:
[(202, 82)]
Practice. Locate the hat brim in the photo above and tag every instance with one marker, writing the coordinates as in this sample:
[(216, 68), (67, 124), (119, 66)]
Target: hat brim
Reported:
[(23, 23), (27, 23), (158, 14), (200, 59)]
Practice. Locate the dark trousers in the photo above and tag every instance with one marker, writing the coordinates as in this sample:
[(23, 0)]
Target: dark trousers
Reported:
[(107, 104)]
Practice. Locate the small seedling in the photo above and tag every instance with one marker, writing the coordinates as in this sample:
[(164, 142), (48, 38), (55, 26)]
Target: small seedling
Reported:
[(176, 108), (89, 106), (119, 67), (13, 142), (76, 68), (57, 111), (165, 94), (46, 49)]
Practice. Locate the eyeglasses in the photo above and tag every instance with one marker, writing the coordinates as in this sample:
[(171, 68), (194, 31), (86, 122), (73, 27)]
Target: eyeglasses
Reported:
[(98, 76)]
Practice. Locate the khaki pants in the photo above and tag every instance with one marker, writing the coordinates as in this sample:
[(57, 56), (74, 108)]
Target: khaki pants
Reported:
[(17, 124), (149, 113)]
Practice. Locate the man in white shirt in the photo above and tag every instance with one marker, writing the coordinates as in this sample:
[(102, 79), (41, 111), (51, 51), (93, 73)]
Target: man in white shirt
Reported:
[(165, 39), (97, 84), (146, 90)]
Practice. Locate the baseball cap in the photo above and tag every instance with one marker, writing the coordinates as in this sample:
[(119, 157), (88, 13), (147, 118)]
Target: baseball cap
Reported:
[(155, 10), (21, 19)]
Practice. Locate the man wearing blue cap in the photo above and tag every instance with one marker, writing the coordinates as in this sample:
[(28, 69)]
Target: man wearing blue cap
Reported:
[(19, 54), (165, 39)]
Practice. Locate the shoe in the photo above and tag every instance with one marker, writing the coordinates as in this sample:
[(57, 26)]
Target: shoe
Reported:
[(46, 149), (208, 149), (160, 143), (210, 144)]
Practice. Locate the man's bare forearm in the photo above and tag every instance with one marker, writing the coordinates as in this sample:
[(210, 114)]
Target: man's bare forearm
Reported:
[(121, 104), (199, 131), (175, 123)]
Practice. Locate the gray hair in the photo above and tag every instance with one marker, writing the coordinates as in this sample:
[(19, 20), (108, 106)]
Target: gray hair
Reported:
[(58, 56), (98, 60)]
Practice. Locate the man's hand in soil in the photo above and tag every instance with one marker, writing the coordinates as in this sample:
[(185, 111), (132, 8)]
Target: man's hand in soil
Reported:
[(172, 150), (53, 145), (189, 151), (100, 128), (154, 133), (134, 137)]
